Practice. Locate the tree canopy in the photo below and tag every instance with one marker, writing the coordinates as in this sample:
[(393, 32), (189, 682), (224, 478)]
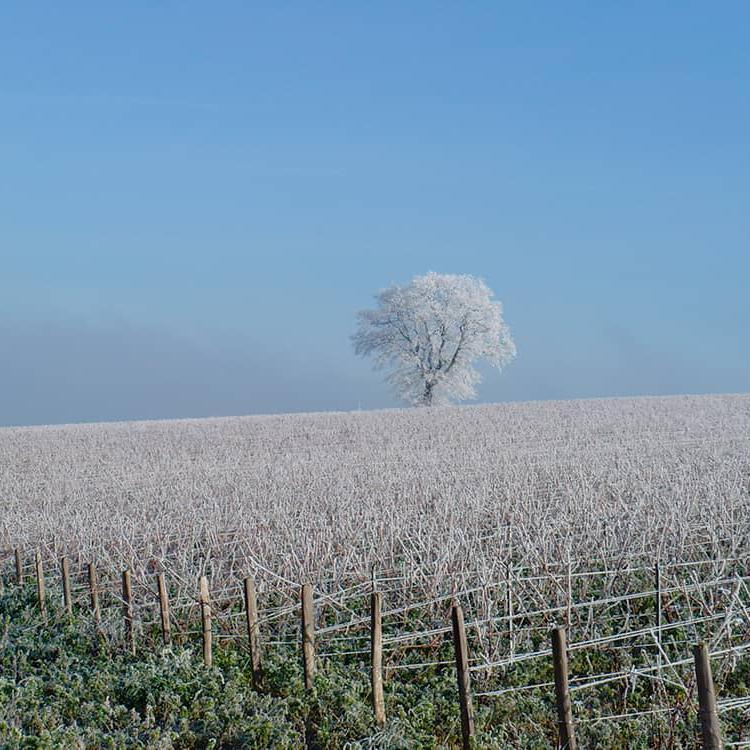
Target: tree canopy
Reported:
[(429, 333)]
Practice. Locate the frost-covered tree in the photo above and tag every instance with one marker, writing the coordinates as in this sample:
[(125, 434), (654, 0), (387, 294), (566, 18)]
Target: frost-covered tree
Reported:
[(430, 333)]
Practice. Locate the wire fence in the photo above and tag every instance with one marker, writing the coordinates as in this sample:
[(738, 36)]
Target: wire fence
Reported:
[(643, 617)]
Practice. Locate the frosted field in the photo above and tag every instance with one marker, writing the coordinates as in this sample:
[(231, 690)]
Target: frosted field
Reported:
[(439, 497)]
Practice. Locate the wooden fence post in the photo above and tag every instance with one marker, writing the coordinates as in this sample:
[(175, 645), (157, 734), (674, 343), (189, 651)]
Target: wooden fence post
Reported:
[(565, 726), (166, 631), (709, 716), (463, 675), (569, 595), (308, 635), (94, 592), (19, 566), (40, 590), (657, 581), (205, 603), (376, 660), (65, 574), (127, 610), (509, 608), (253, 631)]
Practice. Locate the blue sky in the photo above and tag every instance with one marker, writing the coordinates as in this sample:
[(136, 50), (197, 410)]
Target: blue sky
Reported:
[(196, 198)]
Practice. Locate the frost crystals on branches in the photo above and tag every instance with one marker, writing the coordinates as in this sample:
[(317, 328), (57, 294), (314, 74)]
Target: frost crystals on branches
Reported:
[(430, 333)]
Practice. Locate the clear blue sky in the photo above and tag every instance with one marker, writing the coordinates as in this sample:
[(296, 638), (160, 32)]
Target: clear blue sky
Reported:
[(197, 197)]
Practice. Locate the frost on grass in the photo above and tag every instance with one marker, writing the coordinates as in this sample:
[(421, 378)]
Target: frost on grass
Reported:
[(447, 494)]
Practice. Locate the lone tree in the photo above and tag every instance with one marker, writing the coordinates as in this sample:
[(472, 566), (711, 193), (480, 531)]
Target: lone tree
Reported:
[(429, 334)]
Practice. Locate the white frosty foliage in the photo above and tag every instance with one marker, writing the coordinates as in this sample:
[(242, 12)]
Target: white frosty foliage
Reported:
[(430, 333)]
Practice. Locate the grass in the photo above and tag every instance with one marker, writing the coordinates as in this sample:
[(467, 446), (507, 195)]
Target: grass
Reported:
[(64, 686)]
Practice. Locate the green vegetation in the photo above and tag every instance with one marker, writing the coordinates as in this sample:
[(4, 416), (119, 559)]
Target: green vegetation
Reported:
[(64, 686)]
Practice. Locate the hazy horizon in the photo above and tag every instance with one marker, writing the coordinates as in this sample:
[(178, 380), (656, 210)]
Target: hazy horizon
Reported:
[(375, 410), (197, 201)]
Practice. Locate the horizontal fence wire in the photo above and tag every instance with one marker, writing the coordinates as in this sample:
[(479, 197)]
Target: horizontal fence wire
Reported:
[(228, 617)]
